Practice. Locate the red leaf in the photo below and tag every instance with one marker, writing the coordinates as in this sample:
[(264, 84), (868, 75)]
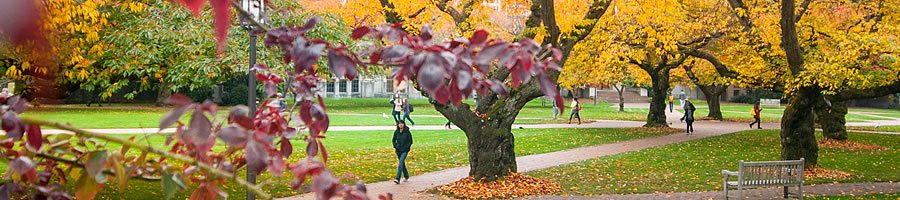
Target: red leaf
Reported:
[(286, 148), (359, 32), (277, 166), (179, 100), (222, 15), (170, 118), (375, 57), (193, 5), (25, 167), (425, 34), (479, 37), (324, 152), (442, 95), (490, 52), (200, 126), (95, 164), (432, 75), (325, 185), (17, 104), (34, 137)]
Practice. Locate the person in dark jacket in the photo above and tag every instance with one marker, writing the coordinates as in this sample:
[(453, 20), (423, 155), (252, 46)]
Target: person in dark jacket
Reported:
[(689, 116), (407, 108), (402, 141)]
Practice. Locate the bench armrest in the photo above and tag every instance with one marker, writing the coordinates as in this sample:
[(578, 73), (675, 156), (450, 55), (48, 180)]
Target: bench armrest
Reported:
[(729, 173)]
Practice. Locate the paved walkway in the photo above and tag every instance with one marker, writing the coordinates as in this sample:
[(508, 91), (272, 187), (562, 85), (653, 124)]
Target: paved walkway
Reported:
[(425, 181), (767, 193)]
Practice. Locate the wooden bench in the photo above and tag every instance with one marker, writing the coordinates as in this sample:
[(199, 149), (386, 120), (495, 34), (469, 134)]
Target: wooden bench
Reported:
[(765, 174), (770, 102)]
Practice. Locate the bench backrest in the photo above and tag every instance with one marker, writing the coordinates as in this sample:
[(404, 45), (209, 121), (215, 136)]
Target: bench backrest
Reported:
[(789, 172), (770, 102)]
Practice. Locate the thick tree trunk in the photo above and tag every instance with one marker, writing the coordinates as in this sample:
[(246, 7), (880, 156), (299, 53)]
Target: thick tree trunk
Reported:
[(163, 93), (660, 86), (832, 119), (712, 94), (491, 150), (798, 138), (620, 90)]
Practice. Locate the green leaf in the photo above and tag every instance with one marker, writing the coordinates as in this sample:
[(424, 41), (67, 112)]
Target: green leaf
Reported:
[(121, 174), (95, 164), (171, 183), (86, 187)]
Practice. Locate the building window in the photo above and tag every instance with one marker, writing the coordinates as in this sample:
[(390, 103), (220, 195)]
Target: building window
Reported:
[(354, 86), (343, 86), (737, 92), (329, 87), (390, 86)]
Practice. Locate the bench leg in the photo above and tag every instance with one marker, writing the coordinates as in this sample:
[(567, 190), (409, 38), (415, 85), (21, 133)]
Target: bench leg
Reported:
[(800, 191), (726, 191), (740, 194), (785, 192)]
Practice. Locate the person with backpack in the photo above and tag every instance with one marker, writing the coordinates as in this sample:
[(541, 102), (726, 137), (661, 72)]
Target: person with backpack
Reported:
[(555, 109), (402, 142), (407, 108), (576, 108), (689, 116), (398, 107), (671, 103), (755, 113)]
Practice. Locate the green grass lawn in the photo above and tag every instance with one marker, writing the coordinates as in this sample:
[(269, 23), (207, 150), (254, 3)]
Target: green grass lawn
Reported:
[(343, 112), (696, 165), (871, 128), (368, 155), (741, 112)]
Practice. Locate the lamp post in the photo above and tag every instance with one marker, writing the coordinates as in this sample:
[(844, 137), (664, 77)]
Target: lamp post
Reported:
[(257, 13)]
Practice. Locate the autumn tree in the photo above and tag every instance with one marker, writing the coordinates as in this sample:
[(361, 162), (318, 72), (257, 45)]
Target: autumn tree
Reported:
[(830, 52), (593, 66)]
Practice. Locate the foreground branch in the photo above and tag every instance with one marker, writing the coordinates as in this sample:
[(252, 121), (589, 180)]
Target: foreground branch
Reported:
[(168, 155)]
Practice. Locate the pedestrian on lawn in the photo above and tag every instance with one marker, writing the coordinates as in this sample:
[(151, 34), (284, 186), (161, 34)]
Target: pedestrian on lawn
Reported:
[(689, 116), (398, 107), (576, 108), (407, 108), (402, 142)]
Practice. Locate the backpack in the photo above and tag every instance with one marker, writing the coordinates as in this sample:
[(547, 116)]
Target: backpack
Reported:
[(411, 108)]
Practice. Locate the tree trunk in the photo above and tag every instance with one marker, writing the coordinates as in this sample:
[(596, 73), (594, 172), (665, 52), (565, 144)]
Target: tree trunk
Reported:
[(712, 94), (621, 98), (832, 119), (163, 93), (660, 86), (491, 150), (798, 138)]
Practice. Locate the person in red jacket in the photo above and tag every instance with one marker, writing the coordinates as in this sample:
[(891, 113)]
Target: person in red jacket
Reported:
[(755, 113)]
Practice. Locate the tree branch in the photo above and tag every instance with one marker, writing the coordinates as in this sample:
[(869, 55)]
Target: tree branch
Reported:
[(879, 91), (720, 68), (803, 8), (166, 154)]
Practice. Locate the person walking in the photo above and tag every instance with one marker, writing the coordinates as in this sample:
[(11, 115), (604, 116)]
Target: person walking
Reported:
[(402, 142), (398, 107), (555, 109), (671, 103), (407, 108), (755, 112), (576, 108), (689, 116), (681, 98)]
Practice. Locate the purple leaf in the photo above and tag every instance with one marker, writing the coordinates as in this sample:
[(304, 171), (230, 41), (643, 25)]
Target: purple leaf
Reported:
[(95, 164), (306, 54), (286, 148), (24, 166), (431, 75), (234, 136), (325, 185), (324, 152), (277, 166), (173, 116), (489, 53), (4, 192), (312, 148), (13, 126), (257, 156), (17, 104), (498, 87), (222, 14), (530, 45), (179, 100), (442, 95), (395, 53), (289, 133), (200, 127), (310, 24), (35, 139), (342, 65), (425, 34)]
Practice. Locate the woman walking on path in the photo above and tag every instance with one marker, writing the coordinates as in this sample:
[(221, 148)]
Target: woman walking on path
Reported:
[(407, 108), (755, 112), (398, 107), (689, 116), (402, 141), (576, 108)]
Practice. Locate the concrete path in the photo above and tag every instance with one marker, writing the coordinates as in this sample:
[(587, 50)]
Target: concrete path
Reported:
[(422, 182), (595, 124), (766, 193)]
